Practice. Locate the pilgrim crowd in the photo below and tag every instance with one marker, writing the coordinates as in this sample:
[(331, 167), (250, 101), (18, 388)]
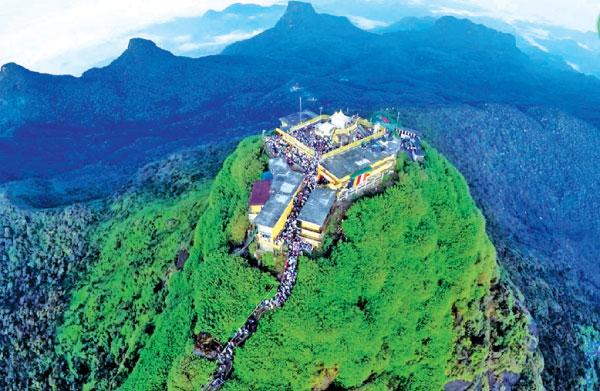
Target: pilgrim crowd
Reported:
[(295, 246)]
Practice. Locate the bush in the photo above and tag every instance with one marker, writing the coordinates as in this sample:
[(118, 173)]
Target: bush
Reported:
[(381, 304)]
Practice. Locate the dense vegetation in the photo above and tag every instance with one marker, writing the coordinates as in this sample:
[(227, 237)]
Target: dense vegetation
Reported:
[(389, 303), (112, 315), (533, 192), (41, 256), (406, 293), (145, 231), (215, 291), (47, 255), (533, 172), (399, 300)]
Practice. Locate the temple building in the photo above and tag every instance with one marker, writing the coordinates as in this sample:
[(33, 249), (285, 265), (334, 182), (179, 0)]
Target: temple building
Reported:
[(340, 120), (354, 171), (312, 219), (340, 129), (353, 157), (272, 216)]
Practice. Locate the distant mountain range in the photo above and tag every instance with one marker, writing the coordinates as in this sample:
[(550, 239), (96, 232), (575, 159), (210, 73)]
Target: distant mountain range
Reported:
[(211, 32), (59, 131)]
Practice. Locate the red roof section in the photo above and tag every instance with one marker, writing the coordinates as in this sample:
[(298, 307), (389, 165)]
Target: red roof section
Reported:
[(260, 192)]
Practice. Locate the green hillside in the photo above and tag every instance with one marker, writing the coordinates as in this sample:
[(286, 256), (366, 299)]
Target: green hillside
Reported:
[(112, 314), (405, 295)]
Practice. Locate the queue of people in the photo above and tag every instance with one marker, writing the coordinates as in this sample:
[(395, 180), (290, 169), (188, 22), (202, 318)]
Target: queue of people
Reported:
[(295, 246), (307, 136), (290, 236)]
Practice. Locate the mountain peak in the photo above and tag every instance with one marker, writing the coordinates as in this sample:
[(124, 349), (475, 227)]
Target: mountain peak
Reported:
[(296, 13), (141, 44), (140, 52), (11, 70), (11, 67), (301, 29), (300, 6), (144, 49)]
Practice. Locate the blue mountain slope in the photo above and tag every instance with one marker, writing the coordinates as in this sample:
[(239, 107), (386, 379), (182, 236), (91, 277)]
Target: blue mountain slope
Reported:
[(557, 46), (323, 42), (453, 59), (64, 139), (574, 49), (148, 101), (114, 119)]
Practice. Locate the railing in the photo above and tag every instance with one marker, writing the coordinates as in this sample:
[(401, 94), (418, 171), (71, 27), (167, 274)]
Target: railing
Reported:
[(295, 142), (309, 122)]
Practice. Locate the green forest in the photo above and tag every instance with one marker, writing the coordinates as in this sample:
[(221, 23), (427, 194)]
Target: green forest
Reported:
[(403, 296)]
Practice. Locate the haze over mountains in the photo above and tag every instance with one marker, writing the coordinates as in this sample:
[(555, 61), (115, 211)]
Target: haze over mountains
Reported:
[(538, 32), (61, 130), (523, 130), (211, 32)]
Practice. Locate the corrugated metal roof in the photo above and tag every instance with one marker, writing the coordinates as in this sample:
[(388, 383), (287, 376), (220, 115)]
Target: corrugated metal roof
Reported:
[(284, 185), (260, 192), (348, 162), (318, 206)]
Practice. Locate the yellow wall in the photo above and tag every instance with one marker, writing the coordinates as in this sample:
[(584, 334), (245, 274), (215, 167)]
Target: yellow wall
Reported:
[(364, 123), (279, 225), (293, 141), (308, 150), (334, 182), (318, 118), (310, 226), (268, 245), (314, 243), (339, 183), (346, 131), (311, 235), (384, 164)]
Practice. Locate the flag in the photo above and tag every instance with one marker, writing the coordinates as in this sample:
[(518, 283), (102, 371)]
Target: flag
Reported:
[(359, 177)]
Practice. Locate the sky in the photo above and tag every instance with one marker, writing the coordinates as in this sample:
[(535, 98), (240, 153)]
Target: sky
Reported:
[(69, 36)]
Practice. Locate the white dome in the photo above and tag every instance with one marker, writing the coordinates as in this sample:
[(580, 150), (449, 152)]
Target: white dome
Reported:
[(340, 120)]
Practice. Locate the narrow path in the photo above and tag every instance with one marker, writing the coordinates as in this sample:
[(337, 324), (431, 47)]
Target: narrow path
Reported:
[(249, 240), (295, 245)]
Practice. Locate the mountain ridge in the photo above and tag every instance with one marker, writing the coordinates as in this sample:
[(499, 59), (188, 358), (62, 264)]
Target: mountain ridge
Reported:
[(147, 91), (79, 139)]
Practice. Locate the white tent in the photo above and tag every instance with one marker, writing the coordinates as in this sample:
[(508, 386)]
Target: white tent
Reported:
[(325, 129), (340, 120)]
